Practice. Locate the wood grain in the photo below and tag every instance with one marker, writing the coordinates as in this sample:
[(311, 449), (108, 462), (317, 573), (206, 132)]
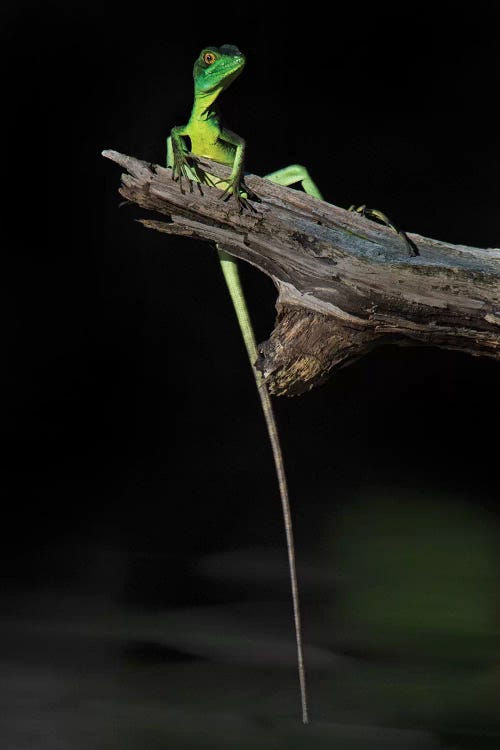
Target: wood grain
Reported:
[(345, 283)]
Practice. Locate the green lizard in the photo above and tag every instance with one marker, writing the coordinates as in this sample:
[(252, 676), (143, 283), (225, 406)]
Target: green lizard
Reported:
[(203, 135), (214, 71)]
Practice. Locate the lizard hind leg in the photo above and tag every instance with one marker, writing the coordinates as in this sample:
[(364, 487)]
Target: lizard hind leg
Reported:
[(293, 174), (297, 173), (376, 214)]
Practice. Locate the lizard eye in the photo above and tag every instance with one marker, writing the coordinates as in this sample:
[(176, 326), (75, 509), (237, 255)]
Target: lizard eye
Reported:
[(209, 58)]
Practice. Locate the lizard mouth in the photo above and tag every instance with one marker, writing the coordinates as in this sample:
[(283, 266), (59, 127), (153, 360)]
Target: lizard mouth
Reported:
[(229, 69), (235, 67)]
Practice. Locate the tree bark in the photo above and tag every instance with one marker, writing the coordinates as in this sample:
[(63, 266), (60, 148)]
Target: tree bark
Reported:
[(345, 283)]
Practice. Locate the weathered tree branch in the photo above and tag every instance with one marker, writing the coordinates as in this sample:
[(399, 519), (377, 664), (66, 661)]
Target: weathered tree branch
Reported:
[(345, 283)]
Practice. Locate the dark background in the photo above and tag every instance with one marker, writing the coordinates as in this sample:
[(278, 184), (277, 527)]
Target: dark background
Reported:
[(133, 445)]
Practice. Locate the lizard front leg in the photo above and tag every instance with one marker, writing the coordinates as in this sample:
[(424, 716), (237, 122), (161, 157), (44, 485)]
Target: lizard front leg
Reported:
[(235, 180), (176, 156)]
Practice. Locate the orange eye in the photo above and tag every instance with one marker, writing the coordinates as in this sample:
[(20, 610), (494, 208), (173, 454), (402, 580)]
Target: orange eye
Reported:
[(209, 58)]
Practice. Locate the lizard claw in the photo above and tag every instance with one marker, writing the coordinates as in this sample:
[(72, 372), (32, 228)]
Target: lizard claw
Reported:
[(237, 190), (181, 170), (376, 214)]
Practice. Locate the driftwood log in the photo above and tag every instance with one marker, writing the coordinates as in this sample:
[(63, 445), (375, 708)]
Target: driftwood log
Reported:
[(345, 283)]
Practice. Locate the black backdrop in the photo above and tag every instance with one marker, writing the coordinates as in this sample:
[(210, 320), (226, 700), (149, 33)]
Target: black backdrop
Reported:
[(130, 422)]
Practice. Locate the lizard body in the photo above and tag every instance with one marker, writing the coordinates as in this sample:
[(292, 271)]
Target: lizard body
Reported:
[(204, 135)]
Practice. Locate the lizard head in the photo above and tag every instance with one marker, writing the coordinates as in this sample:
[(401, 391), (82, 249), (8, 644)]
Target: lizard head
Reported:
[(216, 68)]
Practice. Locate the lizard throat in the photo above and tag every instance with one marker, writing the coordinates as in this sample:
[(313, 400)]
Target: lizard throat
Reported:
[(204, 108)]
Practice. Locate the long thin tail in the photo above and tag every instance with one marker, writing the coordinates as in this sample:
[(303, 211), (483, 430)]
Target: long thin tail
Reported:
[(232, 277)]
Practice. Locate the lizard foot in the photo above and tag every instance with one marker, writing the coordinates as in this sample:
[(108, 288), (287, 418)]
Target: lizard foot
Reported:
[(183, 169), (235, 188), (376, 214)]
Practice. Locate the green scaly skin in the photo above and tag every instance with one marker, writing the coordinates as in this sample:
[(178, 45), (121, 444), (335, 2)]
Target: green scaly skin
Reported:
[(214, 70)]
